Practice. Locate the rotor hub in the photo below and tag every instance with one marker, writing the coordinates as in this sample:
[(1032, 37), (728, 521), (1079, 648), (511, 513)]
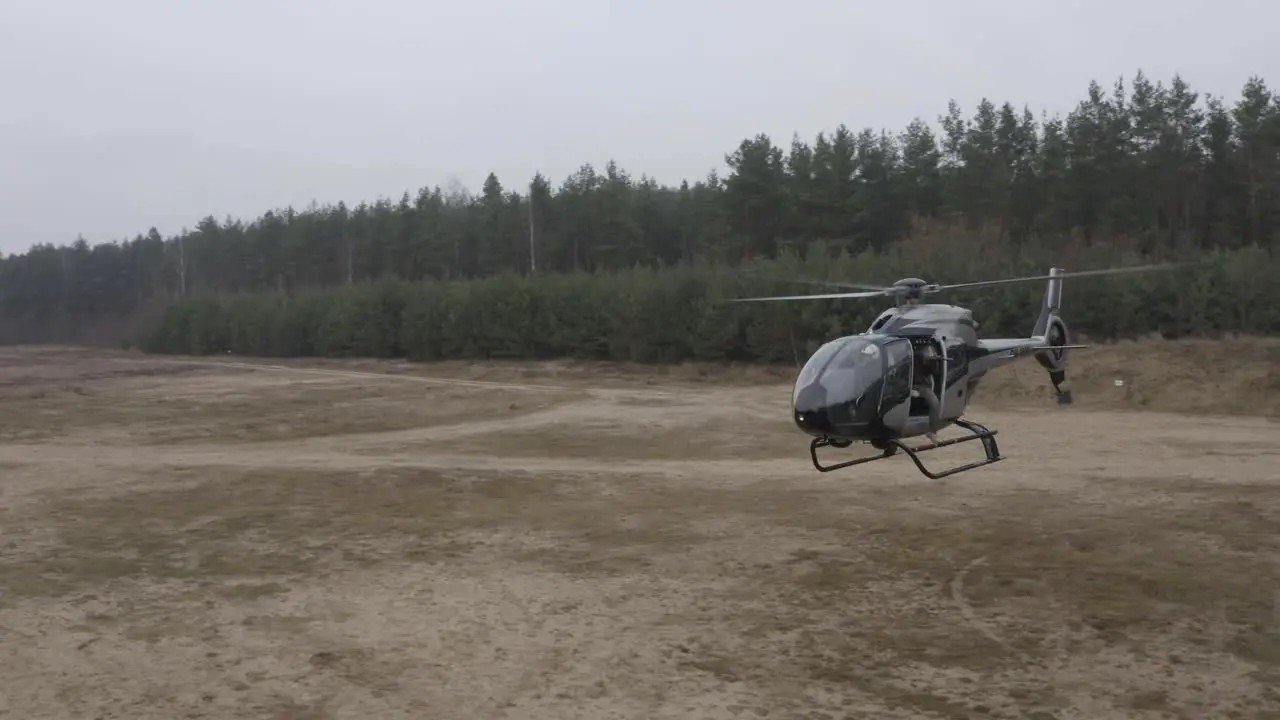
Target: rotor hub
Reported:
[(910, 290)]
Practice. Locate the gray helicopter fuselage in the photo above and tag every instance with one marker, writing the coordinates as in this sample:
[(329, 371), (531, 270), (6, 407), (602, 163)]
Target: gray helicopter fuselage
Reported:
[(872, 386)]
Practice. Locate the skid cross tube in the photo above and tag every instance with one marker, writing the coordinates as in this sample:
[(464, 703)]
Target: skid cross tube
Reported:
[(978, 432)]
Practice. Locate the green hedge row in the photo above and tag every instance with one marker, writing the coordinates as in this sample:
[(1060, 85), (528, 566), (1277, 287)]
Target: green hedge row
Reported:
[(677, 314)]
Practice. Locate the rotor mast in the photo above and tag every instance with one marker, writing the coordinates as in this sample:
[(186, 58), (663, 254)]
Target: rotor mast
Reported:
[(909, 291)]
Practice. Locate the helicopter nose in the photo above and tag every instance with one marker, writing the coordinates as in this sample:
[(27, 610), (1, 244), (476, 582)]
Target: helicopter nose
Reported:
[(813, 422), (819, 414), (831, 421), (811, 410)]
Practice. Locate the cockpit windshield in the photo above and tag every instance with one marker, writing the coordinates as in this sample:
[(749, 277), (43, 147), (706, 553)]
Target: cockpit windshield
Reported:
[(839, 372)]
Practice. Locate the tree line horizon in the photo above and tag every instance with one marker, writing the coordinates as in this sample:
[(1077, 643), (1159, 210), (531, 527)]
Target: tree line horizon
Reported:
[(1139, 171)]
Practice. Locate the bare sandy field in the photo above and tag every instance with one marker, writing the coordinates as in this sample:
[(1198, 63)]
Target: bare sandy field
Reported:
[(195, 538)]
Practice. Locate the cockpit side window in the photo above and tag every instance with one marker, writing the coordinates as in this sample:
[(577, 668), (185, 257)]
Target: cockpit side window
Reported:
[(899, 352), (897, 381)]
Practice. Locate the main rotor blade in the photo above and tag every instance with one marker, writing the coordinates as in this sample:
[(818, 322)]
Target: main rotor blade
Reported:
[(846, 285), (1081, 273), (825, 283), (835, 296)]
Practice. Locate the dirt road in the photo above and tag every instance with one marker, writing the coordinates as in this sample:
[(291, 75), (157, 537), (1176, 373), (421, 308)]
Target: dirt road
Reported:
[(346, 540)]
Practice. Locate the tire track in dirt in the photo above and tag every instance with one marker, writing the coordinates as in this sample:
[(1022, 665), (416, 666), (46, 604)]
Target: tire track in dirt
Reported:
[(629, 421), (580, 412), (961, 602), (688, 406), (156, 458), (436, 380), (578, 407), (364, 375)]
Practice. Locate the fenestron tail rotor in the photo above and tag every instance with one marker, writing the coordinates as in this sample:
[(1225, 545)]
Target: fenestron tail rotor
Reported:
[(914, 288)]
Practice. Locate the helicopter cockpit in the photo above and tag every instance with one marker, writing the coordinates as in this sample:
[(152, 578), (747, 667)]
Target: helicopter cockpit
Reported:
[(844, 388)]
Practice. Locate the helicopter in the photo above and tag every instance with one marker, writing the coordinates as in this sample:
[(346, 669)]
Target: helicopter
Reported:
[(914, 371)]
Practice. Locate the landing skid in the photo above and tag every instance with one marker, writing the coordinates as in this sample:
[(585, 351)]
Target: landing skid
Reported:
[(978, 432)]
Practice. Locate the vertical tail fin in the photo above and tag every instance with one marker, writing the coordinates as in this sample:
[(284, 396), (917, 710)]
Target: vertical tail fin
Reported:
[(1053, 329), (1051, 304)]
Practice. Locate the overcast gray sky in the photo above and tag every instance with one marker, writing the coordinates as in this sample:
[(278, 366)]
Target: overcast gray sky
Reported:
[(120, 115)]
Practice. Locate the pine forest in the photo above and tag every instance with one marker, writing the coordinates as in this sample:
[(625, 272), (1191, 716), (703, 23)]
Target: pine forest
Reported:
[(625, 268)]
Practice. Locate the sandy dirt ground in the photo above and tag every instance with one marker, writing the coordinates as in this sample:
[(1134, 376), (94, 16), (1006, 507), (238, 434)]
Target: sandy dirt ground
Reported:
[(308, 541)]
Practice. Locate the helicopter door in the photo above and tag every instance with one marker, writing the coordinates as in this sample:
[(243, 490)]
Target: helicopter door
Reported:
[(927, 359), (955, 364), (940, 386), (898, 374)]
